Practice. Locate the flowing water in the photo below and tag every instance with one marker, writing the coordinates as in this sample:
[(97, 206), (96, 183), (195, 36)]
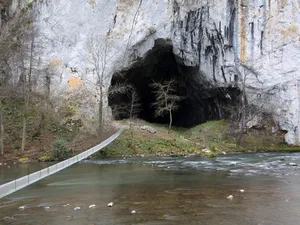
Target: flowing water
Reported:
[(161, 191)]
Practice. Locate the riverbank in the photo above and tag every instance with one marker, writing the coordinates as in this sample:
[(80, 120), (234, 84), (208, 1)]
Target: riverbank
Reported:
[(209, 139), (141, 139), (55, 151)]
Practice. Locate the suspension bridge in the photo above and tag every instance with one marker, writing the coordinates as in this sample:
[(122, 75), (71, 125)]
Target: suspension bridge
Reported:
[(18, 184)]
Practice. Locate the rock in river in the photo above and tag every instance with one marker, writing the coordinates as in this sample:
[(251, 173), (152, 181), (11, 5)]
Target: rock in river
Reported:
[(111, 204), (230, 197), (22, 207), (292, 164), (92, 206)]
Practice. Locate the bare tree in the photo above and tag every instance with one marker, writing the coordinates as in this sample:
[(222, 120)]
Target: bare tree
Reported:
[(20, 57), (27, 88), (128, 109), (30, 67), (166, 99), (17, 53), (97, 56), (249, 109), (135, 106)]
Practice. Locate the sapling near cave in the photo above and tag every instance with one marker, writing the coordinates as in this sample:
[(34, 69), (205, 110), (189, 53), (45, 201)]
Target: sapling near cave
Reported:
[(98, 56), (166, 99), (129, 108)]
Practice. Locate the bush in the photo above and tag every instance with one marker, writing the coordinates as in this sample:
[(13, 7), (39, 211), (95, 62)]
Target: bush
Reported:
[(24, 160), (60, 150)]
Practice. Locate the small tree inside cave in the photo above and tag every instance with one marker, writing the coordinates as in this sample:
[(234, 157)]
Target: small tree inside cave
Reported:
[(129, 108), (166, 99)]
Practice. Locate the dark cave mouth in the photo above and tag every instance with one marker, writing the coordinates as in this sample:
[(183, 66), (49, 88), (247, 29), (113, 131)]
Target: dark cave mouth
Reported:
[(199, 103)]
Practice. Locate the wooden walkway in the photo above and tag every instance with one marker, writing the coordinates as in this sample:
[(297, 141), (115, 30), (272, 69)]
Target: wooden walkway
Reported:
[(25, 181)]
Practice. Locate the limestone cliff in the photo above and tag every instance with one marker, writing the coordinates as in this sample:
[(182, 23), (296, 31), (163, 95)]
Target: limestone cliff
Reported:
[(254, 42)]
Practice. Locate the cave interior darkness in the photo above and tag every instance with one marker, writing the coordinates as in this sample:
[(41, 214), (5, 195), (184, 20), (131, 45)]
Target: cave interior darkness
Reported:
[(200, 102)]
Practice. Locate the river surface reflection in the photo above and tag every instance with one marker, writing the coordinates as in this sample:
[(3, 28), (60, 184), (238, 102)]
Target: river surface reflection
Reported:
[(162, 191)]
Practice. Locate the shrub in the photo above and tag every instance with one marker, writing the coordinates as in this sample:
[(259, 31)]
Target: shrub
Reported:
[(60, 150), (24, 160)]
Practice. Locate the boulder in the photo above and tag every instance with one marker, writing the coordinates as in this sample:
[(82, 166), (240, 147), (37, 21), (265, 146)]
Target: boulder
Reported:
[(149, 129)]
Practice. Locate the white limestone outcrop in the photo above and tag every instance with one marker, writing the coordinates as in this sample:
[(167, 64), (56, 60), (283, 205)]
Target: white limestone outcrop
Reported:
[(227, 40)]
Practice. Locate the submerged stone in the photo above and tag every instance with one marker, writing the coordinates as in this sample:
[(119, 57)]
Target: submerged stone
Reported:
[(92, 206), (111, 204), (230, 197), (22, 207), (292, 164)]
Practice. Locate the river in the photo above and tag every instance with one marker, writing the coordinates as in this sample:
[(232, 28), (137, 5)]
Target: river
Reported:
[(161, 191)]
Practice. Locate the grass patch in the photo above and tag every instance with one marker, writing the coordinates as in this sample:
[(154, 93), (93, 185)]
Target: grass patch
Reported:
[(133, 142), (209, 139), (212, 135)]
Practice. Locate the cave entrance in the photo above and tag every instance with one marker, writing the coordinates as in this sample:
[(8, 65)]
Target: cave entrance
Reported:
[(200, 102)]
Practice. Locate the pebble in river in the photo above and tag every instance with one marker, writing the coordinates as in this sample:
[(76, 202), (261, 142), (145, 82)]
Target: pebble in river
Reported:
[(92, 206), (230, 197)]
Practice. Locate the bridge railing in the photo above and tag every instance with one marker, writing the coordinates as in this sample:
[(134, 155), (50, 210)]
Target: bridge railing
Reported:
[(27, 180)]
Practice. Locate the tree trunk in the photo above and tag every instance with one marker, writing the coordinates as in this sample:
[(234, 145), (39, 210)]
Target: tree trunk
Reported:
[(30, 64), (27, 90), (24, 135), (242, 119), (101, 110), (131, 106), (1, 131), (171, 120), (26, 99)]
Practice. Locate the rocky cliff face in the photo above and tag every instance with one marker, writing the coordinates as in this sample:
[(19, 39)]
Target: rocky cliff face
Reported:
[(253, 42)]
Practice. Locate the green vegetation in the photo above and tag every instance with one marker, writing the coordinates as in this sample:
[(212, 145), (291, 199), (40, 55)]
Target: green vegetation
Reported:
[(24, 160), (60, 150), (46, 158), (58, 135), (208, 139), (30, 3), (178, 142), (213, 135), (50, 134), (135, 142)]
